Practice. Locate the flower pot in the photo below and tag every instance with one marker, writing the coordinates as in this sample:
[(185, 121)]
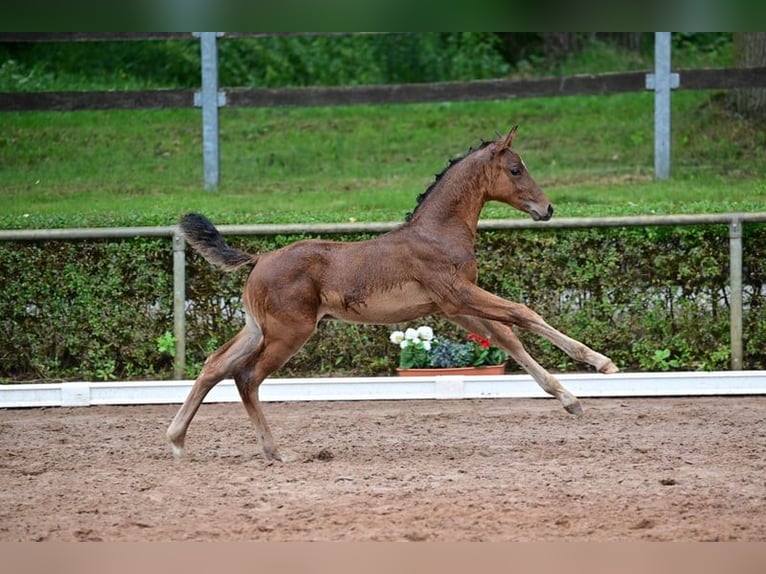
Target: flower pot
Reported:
[(486, 370)]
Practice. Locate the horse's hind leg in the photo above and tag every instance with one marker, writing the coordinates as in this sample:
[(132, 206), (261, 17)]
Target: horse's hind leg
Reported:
[(249, 395), (503, 336), (280, 343), (221, 364)]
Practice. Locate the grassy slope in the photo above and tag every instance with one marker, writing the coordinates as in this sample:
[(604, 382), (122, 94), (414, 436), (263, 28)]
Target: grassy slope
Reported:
[(593, 155)]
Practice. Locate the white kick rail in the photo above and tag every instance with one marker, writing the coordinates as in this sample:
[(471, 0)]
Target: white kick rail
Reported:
[(585, 385)]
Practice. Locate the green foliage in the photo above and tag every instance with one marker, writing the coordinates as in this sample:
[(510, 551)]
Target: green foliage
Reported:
[(355, 60), (661, 361), (90, 310), (451, 354), (275, 61), (599, 58), (279, 61), (414, 356), (15, 76), (99, 65), (166, 344), (702, 49), (484, 353), (475, 352), (651, 298), (630, 292)]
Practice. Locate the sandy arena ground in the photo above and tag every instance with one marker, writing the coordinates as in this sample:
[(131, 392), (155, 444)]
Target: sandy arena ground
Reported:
[(448, 470)]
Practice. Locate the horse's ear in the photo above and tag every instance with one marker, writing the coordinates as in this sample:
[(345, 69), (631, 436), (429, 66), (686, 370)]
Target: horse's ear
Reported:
[(508, 140)]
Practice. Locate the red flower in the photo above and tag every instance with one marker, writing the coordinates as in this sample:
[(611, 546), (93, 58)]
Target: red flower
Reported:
[(479, 340)]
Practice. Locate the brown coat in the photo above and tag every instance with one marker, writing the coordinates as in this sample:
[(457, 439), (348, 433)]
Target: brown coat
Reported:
[(425, 266)]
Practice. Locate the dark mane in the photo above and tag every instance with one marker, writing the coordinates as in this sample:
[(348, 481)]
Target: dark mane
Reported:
[(438, 177)]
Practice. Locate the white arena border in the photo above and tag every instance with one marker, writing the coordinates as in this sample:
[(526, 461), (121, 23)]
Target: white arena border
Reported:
[(388, 388)]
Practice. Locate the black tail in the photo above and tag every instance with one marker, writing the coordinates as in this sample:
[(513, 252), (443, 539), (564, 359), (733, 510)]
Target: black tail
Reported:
[(202, 235)]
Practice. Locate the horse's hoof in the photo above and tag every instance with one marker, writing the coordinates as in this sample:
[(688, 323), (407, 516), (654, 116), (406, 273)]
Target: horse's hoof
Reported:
[(271, 458), (574, 408), (609, 368), (286, 457), (178, 451)]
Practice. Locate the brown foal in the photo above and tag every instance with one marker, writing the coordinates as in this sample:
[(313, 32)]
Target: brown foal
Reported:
[(425, 266)]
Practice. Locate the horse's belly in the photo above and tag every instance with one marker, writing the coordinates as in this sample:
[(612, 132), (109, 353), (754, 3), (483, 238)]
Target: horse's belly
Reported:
[(394, 306)]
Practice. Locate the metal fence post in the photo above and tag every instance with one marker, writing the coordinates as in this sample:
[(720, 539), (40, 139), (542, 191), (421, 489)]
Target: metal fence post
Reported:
[(735, 285), (661, 82), (179, 304), (210, 99)]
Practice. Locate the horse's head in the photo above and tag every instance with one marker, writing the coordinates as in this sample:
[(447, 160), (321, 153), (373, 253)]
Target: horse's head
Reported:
[(514, 185)]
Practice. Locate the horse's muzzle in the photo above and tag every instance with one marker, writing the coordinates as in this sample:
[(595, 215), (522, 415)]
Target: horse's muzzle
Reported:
[(537, 216)]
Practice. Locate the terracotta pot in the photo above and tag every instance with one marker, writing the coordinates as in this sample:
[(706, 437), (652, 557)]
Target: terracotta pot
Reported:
[(486, 370)]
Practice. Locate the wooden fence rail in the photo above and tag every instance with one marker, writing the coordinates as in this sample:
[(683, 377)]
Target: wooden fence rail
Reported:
[(591, 84)]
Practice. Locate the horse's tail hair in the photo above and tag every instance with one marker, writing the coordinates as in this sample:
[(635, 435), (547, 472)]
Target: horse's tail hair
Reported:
[(203, 236)]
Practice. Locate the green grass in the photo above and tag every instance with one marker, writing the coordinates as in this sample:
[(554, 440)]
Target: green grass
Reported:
[(593, 155)]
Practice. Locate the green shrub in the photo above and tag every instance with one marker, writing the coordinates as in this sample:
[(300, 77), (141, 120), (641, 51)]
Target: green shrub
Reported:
[(651, 298), (452, 354), (274, 61), (86, 310)]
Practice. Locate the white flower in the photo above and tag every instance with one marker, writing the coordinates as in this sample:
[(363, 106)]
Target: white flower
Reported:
[(397, 337), (425, 333), (421, 337)]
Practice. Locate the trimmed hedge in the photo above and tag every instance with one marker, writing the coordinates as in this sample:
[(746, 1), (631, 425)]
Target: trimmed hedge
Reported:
[(651, 298), (85, 310)]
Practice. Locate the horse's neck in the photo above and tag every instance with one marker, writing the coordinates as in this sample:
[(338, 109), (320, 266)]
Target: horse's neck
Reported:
[(455, 204)]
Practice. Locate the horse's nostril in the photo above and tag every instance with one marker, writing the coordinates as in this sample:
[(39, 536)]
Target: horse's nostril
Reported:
[(550, 211)]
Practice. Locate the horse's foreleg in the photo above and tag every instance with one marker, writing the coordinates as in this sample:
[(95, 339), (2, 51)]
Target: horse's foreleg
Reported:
[(572, 347), (477, 302), (217, 367), (504, 337)]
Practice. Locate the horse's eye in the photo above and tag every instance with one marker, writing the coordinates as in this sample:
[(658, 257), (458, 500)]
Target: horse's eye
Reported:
[(515, 171)]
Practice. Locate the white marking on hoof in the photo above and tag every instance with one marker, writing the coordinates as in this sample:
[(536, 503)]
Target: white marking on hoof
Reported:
[(574, 408), (609, 368), (287, 457), (272, 456), (178, 451)]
